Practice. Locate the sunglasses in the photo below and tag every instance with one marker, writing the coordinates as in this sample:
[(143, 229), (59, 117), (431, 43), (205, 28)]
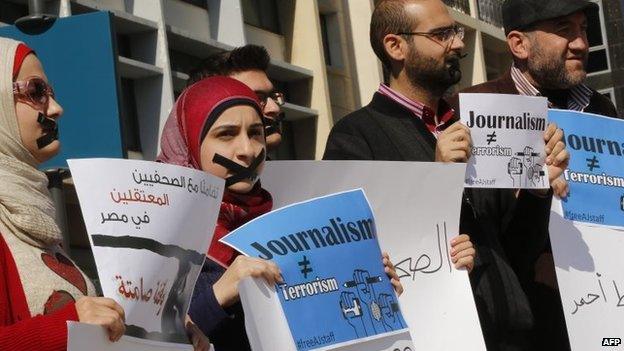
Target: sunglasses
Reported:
[(35, 90)]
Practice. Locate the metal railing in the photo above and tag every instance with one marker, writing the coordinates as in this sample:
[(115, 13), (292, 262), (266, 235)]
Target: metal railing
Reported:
[(459, 5), (490, 11)]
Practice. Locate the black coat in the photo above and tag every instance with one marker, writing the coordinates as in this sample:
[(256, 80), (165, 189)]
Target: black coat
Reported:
[(494, 218), (538, 277)]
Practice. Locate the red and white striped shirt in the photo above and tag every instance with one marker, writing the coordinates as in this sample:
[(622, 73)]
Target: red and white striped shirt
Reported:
[(578, 99), (435, 122)]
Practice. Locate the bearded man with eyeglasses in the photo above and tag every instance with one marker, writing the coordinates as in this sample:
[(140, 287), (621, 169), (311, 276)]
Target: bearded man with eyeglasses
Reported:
[(420, 46)]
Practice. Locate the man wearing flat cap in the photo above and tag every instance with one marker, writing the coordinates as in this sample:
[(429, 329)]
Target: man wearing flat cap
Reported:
[(548, 43)]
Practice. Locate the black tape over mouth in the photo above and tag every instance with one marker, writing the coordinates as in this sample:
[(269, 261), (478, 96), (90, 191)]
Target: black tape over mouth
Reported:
[(240, 172), (50, 128), (273, 125)]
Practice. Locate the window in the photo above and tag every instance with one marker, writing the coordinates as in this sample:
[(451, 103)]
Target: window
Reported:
[(459, 5), (325, 40), (200, 3), (130, 120), (330, 33), (598, 60), (490, 11), (261, 14)]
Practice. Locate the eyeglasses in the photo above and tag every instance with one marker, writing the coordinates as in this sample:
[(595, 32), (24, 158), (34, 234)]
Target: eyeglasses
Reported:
[(277, 97), (35, 90), (441, 35)]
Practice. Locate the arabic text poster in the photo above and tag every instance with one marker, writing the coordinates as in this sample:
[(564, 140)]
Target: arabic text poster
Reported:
[(588, 262), (335, 289), (149, 225), (596, 170), (508, 140)]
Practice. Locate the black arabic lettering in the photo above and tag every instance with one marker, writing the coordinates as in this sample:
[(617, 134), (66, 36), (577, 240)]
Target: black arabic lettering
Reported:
[(208, 190), (591, 298), (190, 187), (158, 179), (620, 302), (412, 269), (601, 289), (138, 220), (113, 217), (134, 176)]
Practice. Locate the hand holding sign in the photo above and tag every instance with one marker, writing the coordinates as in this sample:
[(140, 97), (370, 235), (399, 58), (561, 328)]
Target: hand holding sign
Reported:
[(454, 144), (557, 157), (560, 188), (392, 274), (462, 252), (226, 288), (102, 311)]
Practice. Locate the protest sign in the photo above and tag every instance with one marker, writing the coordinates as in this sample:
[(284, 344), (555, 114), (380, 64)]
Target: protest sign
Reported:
[(596, 170), (588, 262), (508, 140), (335, 290), (149, 225), (416, 207), (587, 230)]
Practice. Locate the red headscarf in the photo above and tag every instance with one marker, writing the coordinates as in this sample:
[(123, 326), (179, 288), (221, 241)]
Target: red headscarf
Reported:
[(195, 111), (20, 54)]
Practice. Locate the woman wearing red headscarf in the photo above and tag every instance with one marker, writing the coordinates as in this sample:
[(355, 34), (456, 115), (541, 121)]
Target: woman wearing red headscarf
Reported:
[(216, 126), (40, 287), (213, 121)]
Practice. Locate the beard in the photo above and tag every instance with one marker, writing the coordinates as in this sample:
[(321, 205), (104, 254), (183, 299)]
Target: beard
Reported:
[(550, 72), (431, 74)]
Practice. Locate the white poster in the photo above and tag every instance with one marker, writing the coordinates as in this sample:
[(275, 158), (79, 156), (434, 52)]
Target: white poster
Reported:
[(149, 225), (589, 262), (508, 140), (83, 336), (416, 207)]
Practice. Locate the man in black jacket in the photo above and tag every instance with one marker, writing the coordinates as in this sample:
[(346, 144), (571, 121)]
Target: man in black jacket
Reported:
[(420, 45), (548, 42)]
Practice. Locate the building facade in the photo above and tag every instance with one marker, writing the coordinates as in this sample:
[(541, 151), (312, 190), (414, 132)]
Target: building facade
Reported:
[(321, 60), (321, 56)]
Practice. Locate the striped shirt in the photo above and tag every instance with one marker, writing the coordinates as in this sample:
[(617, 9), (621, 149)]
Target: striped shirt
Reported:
[(419, 110), (578, 99)]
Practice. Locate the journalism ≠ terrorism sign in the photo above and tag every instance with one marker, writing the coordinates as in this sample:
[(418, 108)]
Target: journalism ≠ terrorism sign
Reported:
[(587, 230), (335, 289), (508, 143), (596, 171)]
